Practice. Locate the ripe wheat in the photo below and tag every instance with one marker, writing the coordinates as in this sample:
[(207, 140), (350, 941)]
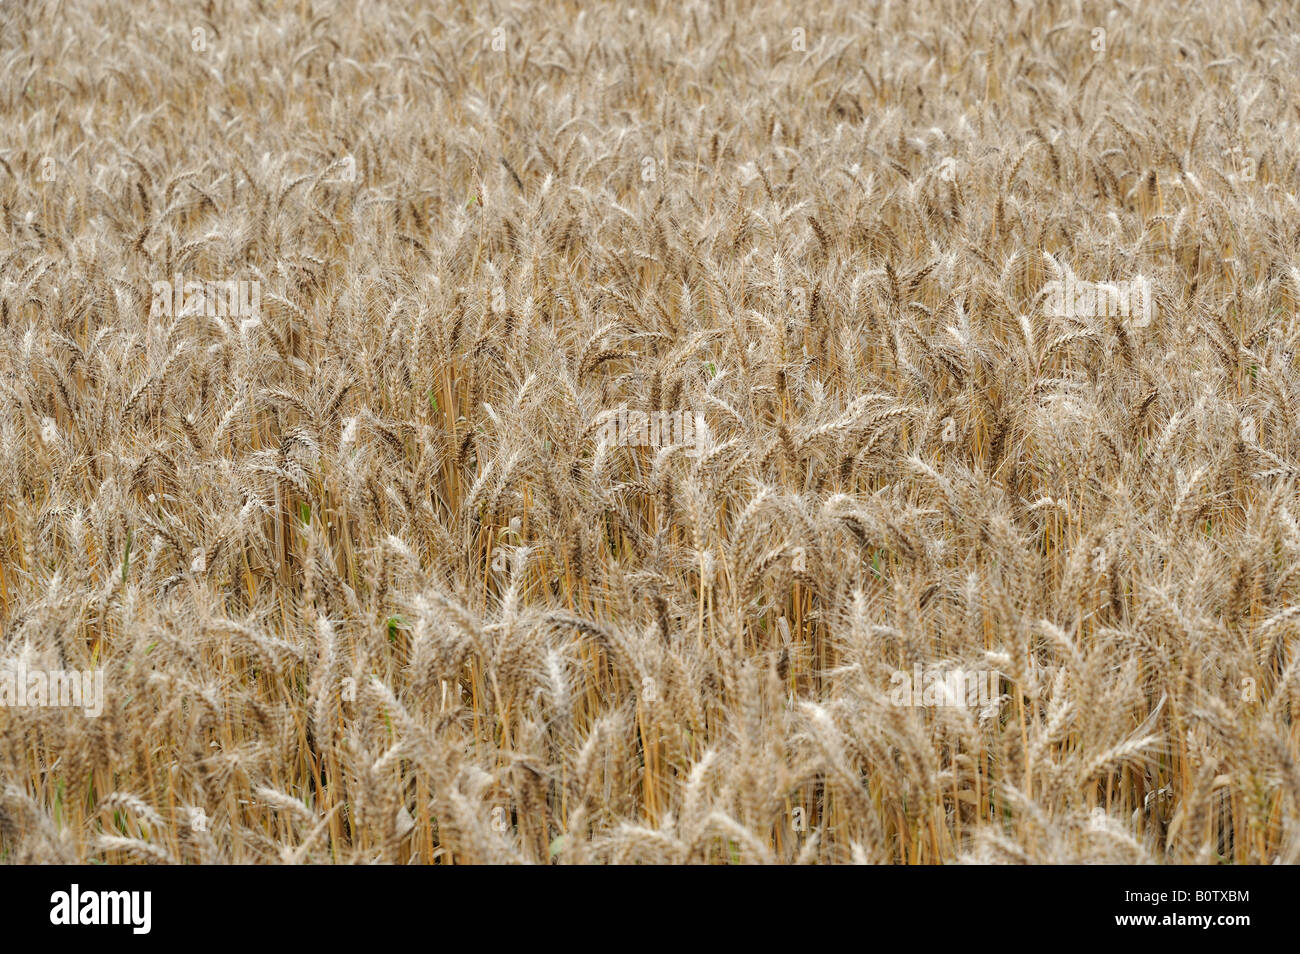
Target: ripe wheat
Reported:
[(370, 574)]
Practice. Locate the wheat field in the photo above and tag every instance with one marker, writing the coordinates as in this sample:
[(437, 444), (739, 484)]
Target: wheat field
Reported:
[(379, 560)]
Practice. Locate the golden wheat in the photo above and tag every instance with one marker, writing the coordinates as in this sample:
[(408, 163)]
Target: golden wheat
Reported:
[(365, 558)]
